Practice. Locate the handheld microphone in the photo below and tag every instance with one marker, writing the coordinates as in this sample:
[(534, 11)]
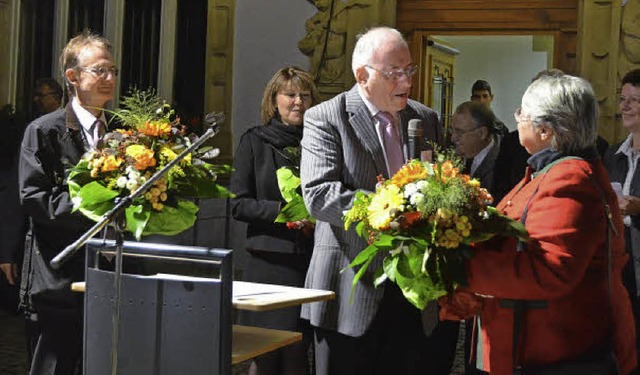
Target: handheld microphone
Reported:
[(414, 131)]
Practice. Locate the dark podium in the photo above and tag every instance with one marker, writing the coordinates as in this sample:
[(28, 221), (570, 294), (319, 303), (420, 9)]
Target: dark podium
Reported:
[(168, 324)]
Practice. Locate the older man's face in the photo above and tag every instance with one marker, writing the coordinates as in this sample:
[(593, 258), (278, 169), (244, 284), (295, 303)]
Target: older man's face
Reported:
[(387, 93), (468, 138)]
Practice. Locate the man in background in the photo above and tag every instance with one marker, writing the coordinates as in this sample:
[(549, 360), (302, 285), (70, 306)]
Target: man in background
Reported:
[(51, 144), (47, 96), (348, 141), (481, 93), (474, 136)]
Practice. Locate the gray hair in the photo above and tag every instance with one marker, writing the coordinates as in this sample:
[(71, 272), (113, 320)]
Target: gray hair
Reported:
[(368, 43), (567, 105), (481, 115)]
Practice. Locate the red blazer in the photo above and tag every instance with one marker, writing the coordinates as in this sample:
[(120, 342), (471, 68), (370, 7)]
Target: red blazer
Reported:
[(564, 264)]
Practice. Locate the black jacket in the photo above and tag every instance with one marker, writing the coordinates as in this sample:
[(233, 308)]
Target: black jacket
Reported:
[(51, 145), (258, 201)]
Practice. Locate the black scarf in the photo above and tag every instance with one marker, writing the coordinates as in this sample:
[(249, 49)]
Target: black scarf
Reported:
[(280, 135)]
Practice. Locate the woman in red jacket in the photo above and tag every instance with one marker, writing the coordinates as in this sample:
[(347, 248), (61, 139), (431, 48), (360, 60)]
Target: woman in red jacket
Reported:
[(555, 304)]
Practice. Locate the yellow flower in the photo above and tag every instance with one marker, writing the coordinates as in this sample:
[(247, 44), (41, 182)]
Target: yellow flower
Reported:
[(169, 154), (111, 163), (155, 128), (408, 173), (383, 206), (142, 155)]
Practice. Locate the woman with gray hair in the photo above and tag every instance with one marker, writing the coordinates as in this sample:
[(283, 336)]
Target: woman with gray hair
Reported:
[(556, 303)]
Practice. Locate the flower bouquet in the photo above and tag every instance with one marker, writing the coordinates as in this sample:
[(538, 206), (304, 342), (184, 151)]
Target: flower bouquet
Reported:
[(150, 137), (289, 185), (424, 220)]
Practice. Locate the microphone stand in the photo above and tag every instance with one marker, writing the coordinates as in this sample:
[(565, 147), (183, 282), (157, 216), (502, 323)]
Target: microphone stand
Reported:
[(116, 215)]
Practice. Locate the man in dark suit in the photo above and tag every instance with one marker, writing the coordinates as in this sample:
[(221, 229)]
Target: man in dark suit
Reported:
[(52, 144), (474, 136), (481, 93), (348, 141)]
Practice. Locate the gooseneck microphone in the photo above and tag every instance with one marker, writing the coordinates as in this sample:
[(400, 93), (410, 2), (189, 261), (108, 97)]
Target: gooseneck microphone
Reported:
[(414, 131)]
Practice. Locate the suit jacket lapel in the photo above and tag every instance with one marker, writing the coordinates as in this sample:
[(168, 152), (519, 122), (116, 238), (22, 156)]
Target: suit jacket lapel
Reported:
[(364, 127)]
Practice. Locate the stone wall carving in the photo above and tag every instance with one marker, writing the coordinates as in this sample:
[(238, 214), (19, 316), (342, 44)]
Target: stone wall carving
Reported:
[(331, 35), (629, 51)]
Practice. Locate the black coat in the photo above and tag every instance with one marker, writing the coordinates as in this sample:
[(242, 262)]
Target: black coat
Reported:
[(51, 145), (277, 255), (617, 165), (258, 201)]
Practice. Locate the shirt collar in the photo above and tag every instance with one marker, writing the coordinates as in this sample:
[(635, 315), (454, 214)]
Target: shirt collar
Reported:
[(477, 160), (625, 147), (373, 110), (86, 118)]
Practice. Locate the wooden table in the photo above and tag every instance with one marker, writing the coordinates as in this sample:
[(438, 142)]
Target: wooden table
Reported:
[(250, 342), (261, 297)]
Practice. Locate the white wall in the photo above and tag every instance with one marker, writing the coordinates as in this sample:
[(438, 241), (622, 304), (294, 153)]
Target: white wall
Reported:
[(266, 39), (506, 62)]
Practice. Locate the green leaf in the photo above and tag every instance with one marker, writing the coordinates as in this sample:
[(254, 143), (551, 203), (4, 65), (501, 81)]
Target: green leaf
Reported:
[(365, 255), (357, 277), (295, 210), (172, 220), (136, 218), (288, 183)]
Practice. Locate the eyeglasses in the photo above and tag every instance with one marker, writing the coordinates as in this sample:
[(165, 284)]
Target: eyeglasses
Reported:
[(100, 71), (43, 94), (460, 133), (396, 74), (518, 115), (631, 100)]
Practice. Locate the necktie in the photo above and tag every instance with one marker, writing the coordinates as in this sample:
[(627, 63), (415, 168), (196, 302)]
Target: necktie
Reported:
[(98, 133), (391, 142)]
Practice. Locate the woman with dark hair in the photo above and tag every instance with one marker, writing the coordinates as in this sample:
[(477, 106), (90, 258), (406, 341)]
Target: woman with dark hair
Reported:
[(621, 161), (278, 255), (556, 303)]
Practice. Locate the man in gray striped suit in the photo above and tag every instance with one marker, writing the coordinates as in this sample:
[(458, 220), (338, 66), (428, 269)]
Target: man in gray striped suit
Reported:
[(348, 141)]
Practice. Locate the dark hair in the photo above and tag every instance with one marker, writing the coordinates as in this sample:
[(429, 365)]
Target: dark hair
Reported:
[(52, 84), (480, 114), (481, 85), (289, 75), (632, 77)]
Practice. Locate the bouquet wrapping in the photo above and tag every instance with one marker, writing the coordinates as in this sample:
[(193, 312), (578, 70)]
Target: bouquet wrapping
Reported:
[(424, 221), (150, 136)]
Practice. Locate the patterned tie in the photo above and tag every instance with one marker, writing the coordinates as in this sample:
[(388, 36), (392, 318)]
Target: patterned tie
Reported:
[(391, 142), (100, 131)]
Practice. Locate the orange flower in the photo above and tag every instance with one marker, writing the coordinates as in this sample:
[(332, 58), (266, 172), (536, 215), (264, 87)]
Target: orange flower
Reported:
[(128, 132), (410, 218), (408, 173), (155, 128), (142, 156)]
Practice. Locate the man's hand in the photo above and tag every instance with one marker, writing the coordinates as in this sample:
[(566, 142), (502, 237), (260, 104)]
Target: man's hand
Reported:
[(629, 205), (10, 271)]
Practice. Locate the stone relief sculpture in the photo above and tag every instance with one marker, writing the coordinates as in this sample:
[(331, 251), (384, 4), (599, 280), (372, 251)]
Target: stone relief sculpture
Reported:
[(325, 41), (629, 50)]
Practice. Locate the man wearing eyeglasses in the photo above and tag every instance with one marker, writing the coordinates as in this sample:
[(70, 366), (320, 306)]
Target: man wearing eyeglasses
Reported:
[(475, 138), (348, 141), (47, 96), (51, 145)]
